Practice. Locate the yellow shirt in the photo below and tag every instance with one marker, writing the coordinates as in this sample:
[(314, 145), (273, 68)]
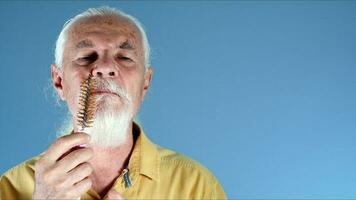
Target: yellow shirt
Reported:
[(153, 173)]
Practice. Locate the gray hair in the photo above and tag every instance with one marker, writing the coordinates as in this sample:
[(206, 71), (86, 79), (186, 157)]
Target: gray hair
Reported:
[(93, 12)]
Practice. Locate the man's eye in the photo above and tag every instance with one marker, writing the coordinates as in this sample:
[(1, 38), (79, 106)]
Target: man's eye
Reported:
[(87, 59), (124, 58)]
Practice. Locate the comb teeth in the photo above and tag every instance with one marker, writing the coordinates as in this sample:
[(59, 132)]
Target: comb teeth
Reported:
[(85, 115)]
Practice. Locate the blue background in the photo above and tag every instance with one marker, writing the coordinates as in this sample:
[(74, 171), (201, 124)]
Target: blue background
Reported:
[(261, 93)]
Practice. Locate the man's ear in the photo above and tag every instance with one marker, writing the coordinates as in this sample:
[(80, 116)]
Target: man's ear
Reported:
[(147, 81), (57, 81)]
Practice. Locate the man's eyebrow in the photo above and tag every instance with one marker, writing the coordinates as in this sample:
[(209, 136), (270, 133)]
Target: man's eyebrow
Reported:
[(126, 45), (84, 44)]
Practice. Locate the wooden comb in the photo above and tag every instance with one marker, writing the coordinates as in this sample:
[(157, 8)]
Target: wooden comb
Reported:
[(87, 104), (85, 115)]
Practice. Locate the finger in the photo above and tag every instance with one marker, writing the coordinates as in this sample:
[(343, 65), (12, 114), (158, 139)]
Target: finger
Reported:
[(114, 195), (74, 158), (80, 188), (79, 173), (64, 144)]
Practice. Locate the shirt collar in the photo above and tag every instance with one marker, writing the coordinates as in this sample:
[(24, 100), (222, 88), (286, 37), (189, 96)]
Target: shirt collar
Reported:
[(145, 155)]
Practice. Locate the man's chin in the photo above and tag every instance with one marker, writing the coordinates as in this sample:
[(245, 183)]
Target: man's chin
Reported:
[(108, 106)]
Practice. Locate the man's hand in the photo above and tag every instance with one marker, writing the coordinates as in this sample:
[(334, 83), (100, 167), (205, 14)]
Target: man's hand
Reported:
[(64, 176)]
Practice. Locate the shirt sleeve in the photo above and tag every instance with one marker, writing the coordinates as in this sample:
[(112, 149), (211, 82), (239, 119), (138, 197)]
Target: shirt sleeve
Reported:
[(17, 183), (218, 192), (6, 189)]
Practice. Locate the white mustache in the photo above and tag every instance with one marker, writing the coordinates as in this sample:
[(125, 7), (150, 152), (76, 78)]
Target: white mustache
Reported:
[(111, 86)]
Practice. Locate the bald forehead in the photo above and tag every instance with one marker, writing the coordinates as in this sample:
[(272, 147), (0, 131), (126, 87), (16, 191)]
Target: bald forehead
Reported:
[(113, 25)]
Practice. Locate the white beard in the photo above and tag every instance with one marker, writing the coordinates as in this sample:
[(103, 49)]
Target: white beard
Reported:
[(111, 121), (110, 126)]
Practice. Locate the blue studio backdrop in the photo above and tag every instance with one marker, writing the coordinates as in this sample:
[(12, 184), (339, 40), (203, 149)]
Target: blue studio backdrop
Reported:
[(260, 92)]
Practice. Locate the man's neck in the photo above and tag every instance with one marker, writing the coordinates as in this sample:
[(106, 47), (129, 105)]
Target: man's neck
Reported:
[(108, 163)]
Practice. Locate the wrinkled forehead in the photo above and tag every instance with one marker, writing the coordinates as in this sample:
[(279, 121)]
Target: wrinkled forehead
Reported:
[(115, 27)]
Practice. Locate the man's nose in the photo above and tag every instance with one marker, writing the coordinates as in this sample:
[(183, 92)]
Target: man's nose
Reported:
[(104, 70)]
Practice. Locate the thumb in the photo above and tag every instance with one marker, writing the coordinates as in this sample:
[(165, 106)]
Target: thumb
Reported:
[(114, 195)]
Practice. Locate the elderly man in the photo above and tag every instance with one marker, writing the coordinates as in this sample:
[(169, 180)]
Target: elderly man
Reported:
[(112, 158)]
